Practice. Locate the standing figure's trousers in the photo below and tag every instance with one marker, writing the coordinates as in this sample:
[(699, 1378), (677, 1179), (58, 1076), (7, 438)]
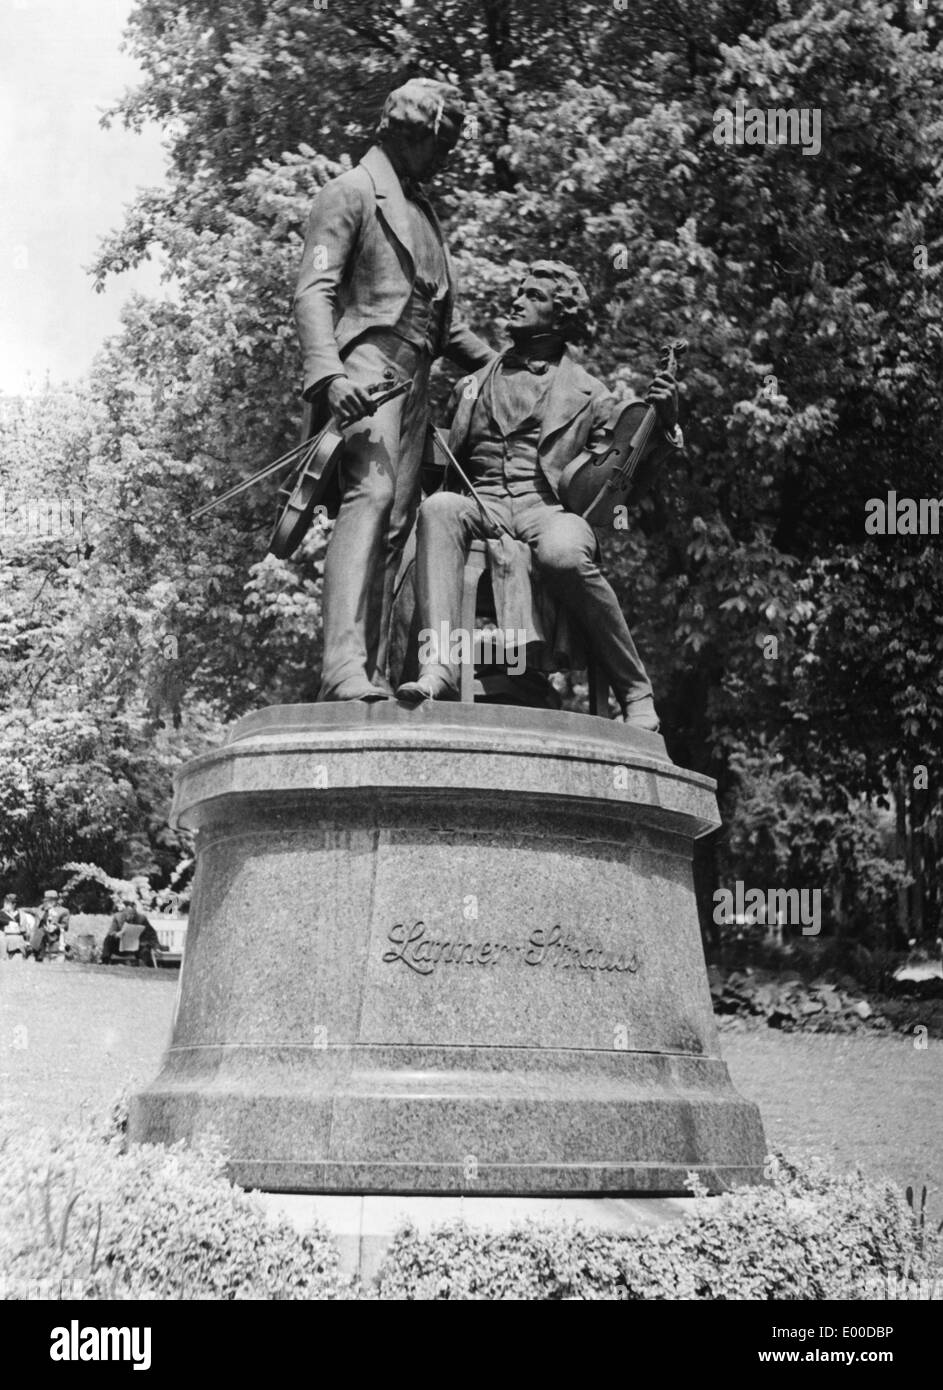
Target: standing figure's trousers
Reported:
[(381, 467)]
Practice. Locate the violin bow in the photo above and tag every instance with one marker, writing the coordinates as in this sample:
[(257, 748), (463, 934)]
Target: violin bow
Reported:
[(494, 522), (293, 456), (267, 471), (389, 394)]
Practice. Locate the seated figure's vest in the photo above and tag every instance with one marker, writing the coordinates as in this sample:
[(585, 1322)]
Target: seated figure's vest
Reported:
[(511, 464)]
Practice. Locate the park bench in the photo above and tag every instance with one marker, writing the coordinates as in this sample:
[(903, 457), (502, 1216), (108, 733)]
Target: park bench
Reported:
[(172, 935)]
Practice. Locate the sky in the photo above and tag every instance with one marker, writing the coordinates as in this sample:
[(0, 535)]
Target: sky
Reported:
[(63, 184)]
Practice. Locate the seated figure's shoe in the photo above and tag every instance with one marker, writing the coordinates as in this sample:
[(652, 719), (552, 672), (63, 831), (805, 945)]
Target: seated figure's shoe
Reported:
[(427, 687), (641, 714)]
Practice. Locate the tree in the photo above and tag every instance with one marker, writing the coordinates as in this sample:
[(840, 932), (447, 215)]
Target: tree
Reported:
[(84, 771), (808, 285)]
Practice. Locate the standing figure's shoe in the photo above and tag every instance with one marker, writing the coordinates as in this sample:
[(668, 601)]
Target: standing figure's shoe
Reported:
[(427, 687), (641, 714)]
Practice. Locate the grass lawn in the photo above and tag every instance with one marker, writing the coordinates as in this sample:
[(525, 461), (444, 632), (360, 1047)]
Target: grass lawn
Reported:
[(865, 1100), (73, 1035)]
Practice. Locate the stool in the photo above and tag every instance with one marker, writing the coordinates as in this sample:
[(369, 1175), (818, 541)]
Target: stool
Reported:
[(476, 564)]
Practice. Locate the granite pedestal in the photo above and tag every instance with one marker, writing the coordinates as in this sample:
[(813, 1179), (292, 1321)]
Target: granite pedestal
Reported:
[(451, 949)]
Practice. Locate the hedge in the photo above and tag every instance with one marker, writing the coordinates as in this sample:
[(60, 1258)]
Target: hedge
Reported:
[(86, 1215)]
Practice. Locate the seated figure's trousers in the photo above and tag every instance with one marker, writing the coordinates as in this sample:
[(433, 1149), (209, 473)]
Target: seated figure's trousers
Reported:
[(564, 549), (381, 467)]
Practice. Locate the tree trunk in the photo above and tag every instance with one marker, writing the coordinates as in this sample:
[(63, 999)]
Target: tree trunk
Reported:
[(900, 808)]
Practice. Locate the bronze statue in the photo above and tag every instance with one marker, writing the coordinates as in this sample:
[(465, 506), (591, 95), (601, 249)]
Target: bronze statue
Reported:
[(374, 308), (532, 410)]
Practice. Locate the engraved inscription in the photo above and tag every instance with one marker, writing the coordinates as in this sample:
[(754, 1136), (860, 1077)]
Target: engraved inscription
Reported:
[(546, 946)]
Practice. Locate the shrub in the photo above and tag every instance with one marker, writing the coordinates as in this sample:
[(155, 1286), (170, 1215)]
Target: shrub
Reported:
[(84, 925), (87, 1216), (85, 1219), (174, 898), (810, 1235)]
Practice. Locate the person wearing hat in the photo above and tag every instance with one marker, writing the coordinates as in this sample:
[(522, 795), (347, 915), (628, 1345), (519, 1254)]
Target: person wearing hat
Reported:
[(51, 926), (374, 303)]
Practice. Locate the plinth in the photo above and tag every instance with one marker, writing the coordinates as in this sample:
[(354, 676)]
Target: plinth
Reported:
[(448, 949)]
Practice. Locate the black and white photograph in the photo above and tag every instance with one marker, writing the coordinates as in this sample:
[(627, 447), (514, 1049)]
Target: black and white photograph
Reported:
[(471, 669)]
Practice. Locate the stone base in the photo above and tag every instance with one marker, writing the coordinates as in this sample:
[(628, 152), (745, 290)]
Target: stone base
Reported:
[(451, 949), (363, 1227), (453, 1120)]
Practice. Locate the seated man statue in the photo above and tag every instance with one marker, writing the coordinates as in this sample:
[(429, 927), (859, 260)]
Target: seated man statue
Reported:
[(530, 412)]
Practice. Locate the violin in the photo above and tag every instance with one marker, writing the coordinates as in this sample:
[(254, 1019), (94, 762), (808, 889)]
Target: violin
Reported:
[(313, 474), (601, 479)]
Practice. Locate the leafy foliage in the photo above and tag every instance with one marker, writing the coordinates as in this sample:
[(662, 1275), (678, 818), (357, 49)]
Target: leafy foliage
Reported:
[(92, 1217), (777, 632), (810, 1235), (85, 759), (795, 827), (170, 898), (86, 1219)]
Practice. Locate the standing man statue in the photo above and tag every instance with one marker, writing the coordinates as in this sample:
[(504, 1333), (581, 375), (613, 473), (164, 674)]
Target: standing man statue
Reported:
[(531, 412), (374, 306)]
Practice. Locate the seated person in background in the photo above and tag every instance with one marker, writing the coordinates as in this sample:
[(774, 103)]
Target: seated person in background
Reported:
[(51, 926), (130, 933), (533, 409), (12, 919)]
